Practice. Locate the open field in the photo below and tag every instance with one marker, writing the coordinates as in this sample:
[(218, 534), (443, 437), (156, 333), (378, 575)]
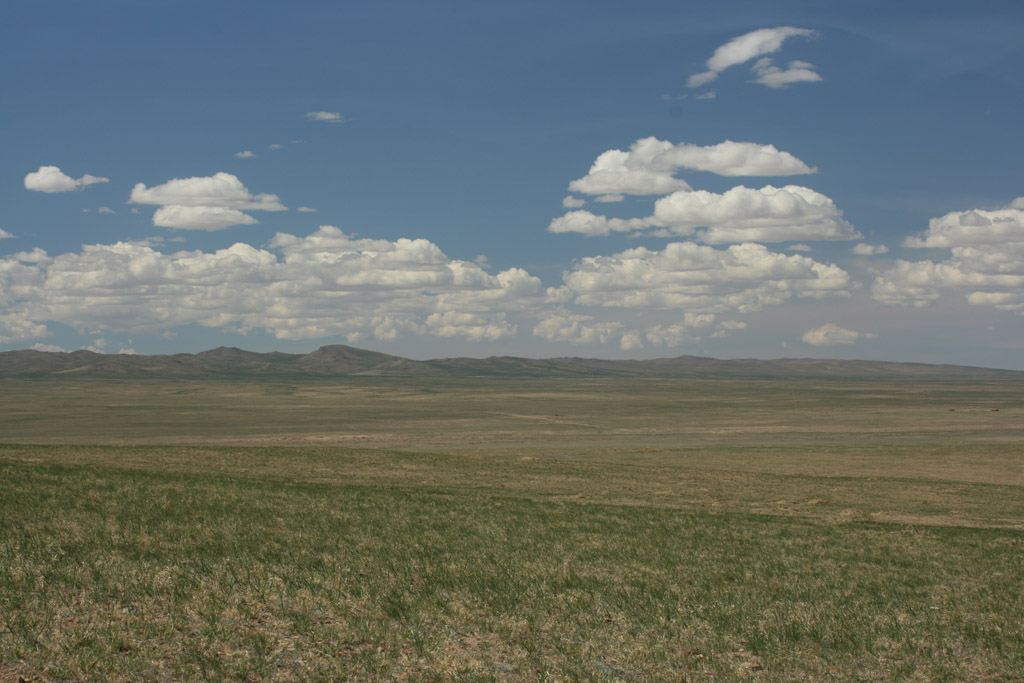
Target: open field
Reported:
[(591, 529)]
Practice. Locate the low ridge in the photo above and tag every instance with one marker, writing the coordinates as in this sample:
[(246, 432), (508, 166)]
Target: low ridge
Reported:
[(339, 360)]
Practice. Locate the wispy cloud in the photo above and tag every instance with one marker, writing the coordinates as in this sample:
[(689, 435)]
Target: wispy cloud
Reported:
[(326, 116), (755, 44), (831, 334)]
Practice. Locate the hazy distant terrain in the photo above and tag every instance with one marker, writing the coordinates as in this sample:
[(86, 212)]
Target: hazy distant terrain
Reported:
[(342, 361)]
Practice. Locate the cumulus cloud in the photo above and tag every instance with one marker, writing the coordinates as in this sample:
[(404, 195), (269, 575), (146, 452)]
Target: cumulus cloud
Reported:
[(51, 179), (630, 342), (863, 249), (769, 214), (326, 116), (200, 217), (990, 275), (774, 77), (972, 228), (677, 334), (306, 209), (571, 202), (741, 214), (322, 285), (649, 166), (106, 210), (743, 48), (204, 203), (986, 263), (576, 329), (5, 235), (220, 189), (246, 154), (831, 334), (592, 225), (698, 279)]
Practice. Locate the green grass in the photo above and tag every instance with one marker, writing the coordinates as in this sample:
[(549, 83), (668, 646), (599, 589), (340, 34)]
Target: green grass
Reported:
[(523, 531), (113, 572)]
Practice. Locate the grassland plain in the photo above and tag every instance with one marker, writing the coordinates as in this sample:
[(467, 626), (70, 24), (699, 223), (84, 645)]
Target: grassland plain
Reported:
[(585, 529)]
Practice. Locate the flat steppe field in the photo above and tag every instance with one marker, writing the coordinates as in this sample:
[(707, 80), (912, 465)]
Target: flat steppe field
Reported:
[(483, 529)]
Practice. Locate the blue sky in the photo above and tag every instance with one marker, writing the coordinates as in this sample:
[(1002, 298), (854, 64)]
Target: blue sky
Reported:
[(749, 179)]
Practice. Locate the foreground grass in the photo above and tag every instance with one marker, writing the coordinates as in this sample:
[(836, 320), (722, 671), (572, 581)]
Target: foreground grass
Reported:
[(137, 563)]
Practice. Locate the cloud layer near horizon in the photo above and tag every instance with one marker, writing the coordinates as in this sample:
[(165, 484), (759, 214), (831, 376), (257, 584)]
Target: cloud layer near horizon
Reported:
[(331, 284)]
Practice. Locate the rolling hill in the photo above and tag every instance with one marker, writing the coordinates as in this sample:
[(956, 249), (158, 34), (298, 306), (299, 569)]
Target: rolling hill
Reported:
[(346, 361)]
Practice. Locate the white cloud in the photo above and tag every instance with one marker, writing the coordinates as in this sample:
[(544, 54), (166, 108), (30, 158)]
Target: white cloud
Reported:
[(469, 326), (204, 203), (649, 166), (200, 217), (727, 327), (571, 202), (48, 348), (306, 209), (592, 225), (774, 77), (275, 146), (990, 275), (741, 214), (800, 247), (5, 235), (709, 95), (703, 78), (972, 228), (986, 264), (677, 334), (326, 116), (609, 198), (698, 279), (52, 179), (246, 154), (863, 249), (106, 210), (220, 189), (830, 334), (633, 172), (576, 329), (326, 284), (769, 214), (630, 342), (743, 48)]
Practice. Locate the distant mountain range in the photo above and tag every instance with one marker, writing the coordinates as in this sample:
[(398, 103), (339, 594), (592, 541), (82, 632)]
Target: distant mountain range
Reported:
[(346, 361)]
